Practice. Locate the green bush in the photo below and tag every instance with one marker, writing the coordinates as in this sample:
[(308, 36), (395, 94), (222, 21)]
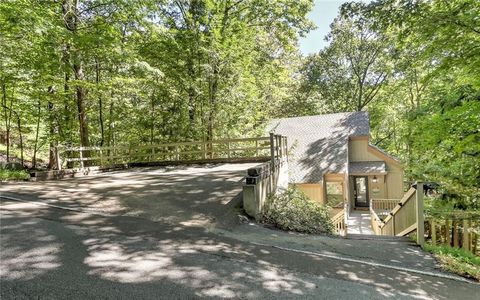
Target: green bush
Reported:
[(293, 210), (6, 174)]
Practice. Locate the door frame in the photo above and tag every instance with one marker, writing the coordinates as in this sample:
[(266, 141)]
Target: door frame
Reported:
[(355, 191)]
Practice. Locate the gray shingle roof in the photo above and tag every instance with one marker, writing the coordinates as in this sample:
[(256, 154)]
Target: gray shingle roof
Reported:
[(319, 144), (363, 167)]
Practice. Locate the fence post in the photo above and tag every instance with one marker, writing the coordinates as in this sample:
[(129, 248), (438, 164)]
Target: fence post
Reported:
[(433, 229), (272, 149), (465, 235), (80, 153), (455, 233), (101, 156), (228, 149), (111, 153), (419, 214), (59, 162), (448, 233)]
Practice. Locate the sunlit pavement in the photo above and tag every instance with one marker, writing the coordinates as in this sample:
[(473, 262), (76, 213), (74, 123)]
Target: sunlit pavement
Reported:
[(197, 195), (49, 253), (155, 234)]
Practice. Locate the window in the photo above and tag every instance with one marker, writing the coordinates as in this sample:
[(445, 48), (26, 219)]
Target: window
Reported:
[(335, 194)]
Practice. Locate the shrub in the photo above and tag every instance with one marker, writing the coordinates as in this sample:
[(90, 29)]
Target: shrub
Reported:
[(13, 175), (293, 210)]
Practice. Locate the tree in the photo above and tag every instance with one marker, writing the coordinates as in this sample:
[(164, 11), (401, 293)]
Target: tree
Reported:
[(349, 73)]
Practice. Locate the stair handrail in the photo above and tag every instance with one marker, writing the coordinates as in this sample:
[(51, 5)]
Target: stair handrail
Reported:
[(378, 224)]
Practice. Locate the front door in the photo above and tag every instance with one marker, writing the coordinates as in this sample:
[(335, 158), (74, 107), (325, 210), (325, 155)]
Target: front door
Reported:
[(360, 191)]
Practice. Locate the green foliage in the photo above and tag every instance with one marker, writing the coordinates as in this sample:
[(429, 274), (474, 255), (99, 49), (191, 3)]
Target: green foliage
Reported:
[(456, 260), (8, 175), (427, 114), (129, 72), (348, 74), (293, 210)]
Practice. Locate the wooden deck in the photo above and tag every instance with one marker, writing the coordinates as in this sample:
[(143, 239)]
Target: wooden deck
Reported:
[(359, 222)]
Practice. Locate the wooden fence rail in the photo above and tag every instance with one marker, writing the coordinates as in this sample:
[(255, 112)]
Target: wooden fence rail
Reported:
[(229, 149), (340, 223), (384, 204), (458, 232)]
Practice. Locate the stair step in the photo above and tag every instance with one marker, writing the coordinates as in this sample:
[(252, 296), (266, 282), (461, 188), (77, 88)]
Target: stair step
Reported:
[(379, 237)]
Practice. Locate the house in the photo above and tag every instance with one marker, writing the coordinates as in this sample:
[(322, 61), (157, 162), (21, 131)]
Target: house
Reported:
[(332, 161)]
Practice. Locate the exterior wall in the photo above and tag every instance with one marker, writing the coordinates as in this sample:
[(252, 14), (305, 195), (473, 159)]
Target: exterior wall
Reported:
[(394, 182), (389, 186), (379, 189), (313, 190), (358, 151)]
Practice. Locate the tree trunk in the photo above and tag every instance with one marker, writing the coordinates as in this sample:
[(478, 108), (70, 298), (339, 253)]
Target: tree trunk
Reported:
[(71, 20), (19, 125), (53, 130), (35, 147), (8, 118), (111, 125), (152, 118), (81, 104), (100, 103)]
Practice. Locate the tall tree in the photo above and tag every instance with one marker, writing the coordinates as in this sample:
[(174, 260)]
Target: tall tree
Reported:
[(349, 73)]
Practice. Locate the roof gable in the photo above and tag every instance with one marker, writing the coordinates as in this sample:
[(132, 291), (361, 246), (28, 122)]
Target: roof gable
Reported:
[(320, 143)]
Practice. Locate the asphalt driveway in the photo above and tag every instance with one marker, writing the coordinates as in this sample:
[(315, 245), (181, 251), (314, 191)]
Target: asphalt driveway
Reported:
[(51, 253), (198, 195)]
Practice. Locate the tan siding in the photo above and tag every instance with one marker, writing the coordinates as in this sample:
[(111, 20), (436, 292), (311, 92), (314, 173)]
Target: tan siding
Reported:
[(313, 190), (381, 185), (358, 151), (335, 176), (394, 182), (391, 185)]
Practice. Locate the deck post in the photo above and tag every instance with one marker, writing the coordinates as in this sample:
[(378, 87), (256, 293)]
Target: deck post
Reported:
[(419, 214), (272, 149)]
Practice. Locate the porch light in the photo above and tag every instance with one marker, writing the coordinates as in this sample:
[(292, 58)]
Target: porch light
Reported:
[(374, 180)]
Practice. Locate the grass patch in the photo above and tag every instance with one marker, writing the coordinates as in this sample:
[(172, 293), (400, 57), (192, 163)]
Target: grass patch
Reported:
[(456, 260), (293, 210), (6, 175)]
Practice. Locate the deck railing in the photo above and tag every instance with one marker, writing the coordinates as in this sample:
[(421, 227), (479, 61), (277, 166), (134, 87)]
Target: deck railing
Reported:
[(404, 218), (339, 221), (384, 204), (229, 149)]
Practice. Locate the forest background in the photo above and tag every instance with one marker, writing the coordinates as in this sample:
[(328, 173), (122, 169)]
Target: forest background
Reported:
[(111, 72)]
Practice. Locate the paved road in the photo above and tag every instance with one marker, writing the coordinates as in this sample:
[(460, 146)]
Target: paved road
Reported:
[(150, 234), (189, 195), (50, 253)]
